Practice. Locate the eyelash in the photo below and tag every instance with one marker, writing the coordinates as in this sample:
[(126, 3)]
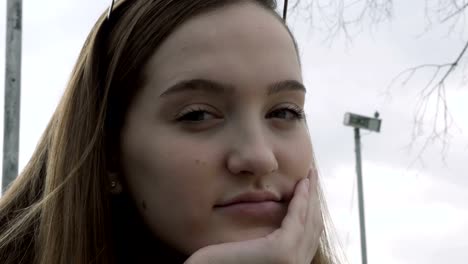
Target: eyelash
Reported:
[(182, 117), (296, 111)]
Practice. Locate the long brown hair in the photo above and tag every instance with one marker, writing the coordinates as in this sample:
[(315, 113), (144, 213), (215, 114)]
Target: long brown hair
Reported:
[(59, 208)]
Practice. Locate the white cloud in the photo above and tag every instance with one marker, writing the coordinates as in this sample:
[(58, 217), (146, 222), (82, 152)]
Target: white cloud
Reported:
[(408, 214)]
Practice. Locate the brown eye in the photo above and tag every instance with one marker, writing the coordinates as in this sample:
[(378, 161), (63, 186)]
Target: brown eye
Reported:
[(196, 116), (288, 113)]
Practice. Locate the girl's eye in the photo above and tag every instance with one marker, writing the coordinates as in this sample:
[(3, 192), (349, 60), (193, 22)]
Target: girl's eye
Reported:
[(196, 116), (288, 113)]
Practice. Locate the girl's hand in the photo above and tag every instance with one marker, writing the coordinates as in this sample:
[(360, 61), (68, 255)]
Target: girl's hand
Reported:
[(295, 242)]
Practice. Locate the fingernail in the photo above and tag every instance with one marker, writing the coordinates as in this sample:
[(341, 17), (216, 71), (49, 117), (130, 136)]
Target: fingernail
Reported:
[(306, 183)]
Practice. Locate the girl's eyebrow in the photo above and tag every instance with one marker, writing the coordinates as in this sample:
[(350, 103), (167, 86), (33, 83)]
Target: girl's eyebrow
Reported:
[(284, 86), (214, 87)]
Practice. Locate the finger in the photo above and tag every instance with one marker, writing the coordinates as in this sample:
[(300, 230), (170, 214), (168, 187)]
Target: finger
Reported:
[(314, 220), (295, 218)]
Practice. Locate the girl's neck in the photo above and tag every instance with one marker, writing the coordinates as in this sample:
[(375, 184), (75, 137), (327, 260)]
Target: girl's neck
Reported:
[(133, 241)]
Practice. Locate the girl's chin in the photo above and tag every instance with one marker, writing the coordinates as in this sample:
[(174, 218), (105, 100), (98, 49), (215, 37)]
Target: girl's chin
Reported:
[(232, 235), (242, 235)]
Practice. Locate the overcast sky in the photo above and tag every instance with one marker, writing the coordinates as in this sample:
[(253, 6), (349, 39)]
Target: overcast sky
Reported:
[(416, 213)]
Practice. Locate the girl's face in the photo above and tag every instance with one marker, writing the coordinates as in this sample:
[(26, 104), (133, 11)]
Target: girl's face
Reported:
[(219, 116)]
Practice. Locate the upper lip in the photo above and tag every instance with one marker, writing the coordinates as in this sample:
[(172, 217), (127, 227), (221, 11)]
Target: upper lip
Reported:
[(251, 197)]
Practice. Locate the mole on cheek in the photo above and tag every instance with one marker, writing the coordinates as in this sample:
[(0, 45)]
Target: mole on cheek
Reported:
[(199, 162), (143, 205)]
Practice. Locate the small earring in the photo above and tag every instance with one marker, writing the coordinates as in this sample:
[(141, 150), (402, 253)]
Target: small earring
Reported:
[(115, 185)]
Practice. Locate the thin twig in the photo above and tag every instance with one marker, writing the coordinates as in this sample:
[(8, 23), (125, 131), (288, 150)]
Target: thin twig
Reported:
[(455, 13), (430, 90)]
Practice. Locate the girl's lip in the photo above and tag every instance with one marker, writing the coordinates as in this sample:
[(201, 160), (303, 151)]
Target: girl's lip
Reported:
[(266, 210), (250, 197)]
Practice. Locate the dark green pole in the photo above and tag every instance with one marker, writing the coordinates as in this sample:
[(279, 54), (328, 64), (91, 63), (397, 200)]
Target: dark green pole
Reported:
[(362, 221), (12, 92)]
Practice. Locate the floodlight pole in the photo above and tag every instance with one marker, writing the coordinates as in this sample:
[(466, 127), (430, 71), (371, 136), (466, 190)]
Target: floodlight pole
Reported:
[(372, 124), (362, 221), (12, 92)]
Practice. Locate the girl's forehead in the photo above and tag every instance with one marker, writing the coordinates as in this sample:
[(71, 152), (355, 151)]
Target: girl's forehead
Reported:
[(230, 25), (223, 42)]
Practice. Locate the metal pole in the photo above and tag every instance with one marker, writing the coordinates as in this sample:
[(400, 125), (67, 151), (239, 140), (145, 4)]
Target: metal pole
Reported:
[(362, 221), (12, 92)]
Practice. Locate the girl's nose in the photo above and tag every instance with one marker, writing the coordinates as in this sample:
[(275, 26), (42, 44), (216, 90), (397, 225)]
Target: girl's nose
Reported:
[(252, 155)]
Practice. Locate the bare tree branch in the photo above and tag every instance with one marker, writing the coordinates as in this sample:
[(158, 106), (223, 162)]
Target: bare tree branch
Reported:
[(346, 18), (440, 12), (457, 12), (434, 88)]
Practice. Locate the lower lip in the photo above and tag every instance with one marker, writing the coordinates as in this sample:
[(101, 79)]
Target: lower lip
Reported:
[(261, 210)]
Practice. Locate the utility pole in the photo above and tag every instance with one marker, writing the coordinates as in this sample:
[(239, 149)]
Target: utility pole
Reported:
[(372, 124), (362, 220), (12, 92)]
